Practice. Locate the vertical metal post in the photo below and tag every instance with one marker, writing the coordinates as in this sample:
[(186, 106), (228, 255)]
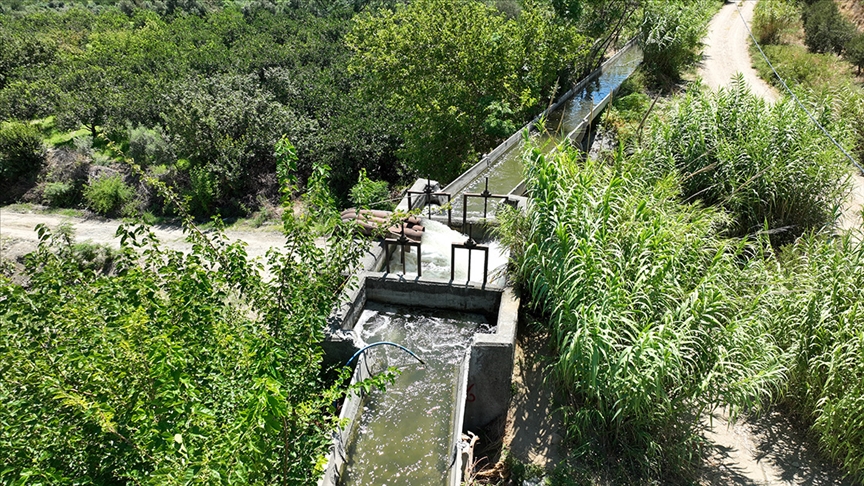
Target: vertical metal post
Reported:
[(419, 262), (485, 197), (402, 239), (485, 266), (452, 261), (470, 242), (464, 210), (429, 196)]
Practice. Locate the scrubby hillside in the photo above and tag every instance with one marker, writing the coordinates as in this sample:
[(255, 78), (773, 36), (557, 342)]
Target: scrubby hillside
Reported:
[(854, 11)]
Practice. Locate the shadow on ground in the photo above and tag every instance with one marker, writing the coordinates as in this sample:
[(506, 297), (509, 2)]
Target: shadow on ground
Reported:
[(770, 449)]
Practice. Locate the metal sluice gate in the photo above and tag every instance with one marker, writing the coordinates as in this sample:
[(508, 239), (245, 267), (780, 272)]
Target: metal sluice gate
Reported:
[(402, 242)]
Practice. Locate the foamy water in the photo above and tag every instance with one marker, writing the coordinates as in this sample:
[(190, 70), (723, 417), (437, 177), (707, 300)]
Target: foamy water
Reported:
[(436, 245)]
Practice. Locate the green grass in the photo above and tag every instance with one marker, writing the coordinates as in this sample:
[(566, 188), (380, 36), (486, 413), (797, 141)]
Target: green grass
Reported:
[(55, 137), (799, 67)]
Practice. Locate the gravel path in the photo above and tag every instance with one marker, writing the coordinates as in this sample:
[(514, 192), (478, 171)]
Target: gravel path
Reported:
[(18, 233), (766, 450), (726, 51)]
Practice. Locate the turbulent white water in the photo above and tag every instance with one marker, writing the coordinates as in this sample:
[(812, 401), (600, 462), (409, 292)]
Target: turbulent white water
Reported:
[(403, 435), (435, 256)]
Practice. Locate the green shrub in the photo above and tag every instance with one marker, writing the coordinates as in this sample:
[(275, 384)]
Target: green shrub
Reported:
[(21, 151), (203, 191), (769, 166), (798, 66), (148, 147), (160, 374), (369, 194), (775, 19), (108, 195), (60, 194), (94, 256), (825, 28)]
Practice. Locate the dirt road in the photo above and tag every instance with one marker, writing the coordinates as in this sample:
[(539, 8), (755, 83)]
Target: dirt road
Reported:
[(18, 235), (767, 450), (726, 51)]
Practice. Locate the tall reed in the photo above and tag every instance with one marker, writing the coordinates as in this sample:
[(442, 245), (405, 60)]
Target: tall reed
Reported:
[(817, 314), (654, 316), (768, 165)]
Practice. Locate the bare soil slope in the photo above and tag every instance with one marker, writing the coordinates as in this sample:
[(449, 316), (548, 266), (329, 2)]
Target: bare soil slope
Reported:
[(854, 11)]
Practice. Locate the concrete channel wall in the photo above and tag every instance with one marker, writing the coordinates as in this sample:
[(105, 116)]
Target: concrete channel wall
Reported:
[(576, 135), (483, 384)]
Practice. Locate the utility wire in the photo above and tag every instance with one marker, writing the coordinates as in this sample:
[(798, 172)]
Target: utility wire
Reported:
[(800, 105)]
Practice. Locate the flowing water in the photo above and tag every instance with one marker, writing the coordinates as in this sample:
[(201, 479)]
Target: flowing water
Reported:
[(435, 256), (403, 436), (505, 173)]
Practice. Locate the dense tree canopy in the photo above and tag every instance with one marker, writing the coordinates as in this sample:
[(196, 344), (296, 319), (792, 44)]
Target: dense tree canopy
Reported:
[(221, 85), (419, 88), (461, 72)]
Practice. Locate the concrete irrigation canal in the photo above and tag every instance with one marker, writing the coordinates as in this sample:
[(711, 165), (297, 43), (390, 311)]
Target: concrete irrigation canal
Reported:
[(442, 307)]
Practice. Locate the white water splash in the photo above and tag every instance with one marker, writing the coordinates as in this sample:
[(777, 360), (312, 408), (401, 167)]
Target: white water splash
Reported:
[(436, 250)]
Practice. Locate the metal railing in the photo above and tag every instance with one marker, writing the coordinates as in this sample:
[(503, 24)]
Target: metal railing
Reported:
[(429, 193), (486, 195), (471, 246), (402, 241)]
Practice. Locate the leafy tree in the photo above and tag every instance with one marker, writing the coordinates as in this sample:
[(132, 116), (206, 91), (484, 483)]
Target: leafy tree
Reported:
[(855, 51), (26, 100), (604, 21), (226, 127), (162, 373), (825, 28), (22, 51), (90, 98), (443, 64)]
